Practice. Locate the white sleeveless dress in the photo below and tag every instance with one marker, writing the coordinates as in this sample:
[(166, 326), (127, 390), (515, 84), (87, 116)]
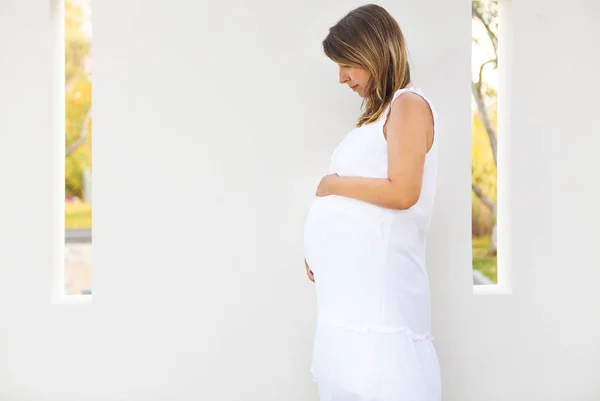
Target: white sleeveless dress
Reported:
[(373, 339)]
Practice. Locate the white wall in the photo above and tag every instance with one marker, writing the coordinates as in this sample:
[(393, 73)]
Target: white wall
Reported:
[(214, 123), (543, 341)]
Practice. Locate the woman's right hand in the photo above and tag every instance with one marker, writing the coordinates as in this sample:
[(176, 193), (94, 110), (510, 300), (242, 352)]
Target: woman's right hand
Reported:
[(309, 272)]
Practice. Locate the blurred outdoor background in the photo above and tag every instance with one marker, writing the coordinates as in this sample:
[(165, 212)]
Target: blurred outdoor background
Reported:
[(484, 139), (78, 151)]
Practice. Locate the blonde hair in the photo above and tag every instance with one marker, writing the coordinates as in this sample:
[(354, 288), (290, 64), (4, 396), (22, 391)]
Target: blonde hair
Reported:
[(370, 37)]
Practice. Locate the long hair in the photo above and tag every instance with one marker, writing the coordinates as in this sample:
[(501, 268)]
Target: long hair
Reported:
[(370, 37)]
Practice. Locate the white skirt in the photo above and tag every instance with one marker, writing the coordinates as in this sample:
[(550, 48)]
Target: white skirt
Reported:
[(351, 364), (372, 340)]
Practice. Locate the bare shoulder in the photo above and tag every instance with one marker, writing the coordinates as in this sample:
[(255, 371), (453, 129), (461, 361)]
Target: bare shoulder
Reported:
[(409, 112), (409, 104)]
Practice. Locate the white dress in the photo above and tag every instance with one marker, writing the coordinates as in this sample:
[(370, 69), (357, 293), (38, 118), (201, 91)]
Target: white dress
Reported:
[(372, 340)]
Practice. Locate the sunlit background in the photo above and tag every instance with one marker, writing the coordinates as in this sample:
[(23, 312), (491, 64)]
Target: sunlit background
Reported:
[(484, 136), (78, 151)]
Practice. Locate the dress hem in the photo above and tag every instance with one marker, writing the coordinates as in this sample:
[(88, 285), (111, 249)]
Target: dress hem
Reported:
[(384, 330)]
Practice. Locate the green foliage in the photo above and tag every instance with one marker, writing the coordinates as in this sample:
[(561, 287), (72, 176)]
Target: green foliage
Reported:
[(78, 215), (483, 171), (489, 91), (482, 260), (74, 169), (78, 98)]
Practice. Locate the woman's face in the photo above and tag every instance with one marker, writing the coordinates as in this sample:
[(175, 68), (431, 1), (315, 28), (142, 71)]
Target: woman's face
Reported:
[(355, 77)]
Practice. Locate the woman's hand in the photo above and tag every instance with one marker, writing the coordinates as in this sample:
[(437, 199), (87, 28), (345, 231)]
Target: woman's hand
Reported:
[(323, 188), (309, 272)]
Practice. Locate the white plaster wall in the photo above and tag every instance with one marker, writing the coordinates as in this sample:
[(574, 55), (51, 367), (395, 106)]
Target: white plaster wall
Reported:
[(543, 341), (213, 124)]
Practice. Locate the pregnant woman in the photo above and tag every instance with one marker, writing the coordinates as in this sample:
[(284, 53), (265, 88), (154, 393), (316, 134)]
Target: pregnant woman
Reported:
[(365, 234)]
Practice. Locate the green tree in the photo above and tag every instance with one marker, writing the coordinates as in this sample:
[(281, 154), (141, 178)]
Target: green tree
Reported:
[(78, 134), (486, 13), (78, 99)]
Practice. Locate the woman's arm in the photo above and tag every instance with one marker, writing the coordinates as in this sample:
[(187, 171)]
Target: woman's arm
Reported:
[(309, 272), (409, 131)]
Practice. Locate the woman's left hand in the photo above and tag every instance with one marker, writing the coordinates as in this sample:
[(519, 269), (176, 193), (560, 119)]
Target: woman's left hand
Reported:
[(323, 188)]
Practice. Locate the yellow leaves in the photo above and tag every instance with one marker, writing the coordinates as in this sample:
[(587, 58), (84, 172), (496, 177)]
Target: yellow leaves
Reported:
[(73, 16), (78, 100), (483, 166), (483, 172)]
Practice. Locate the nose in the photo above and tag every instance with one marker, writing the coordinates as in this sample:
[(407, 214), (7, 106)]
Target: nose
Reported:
[(343, 76)]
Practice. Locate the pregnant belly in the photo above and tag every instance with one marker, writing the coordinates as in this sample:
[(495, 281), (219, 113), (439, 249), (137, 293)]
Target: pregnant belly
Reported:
[(335, 223), (345, 248), (343, 230)]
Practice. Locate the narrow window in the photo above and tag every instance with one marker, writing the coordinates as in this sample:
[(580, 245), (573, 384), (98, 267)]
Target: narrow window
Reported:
[(484, 90), (78, 147)]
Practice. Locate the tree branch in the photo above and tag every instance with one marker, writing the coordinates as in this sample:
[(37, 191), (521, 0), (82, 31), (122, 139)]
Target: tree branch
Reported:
[(82, 135), (486, 201), (476, 89), (486, 24), (480, 82)]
